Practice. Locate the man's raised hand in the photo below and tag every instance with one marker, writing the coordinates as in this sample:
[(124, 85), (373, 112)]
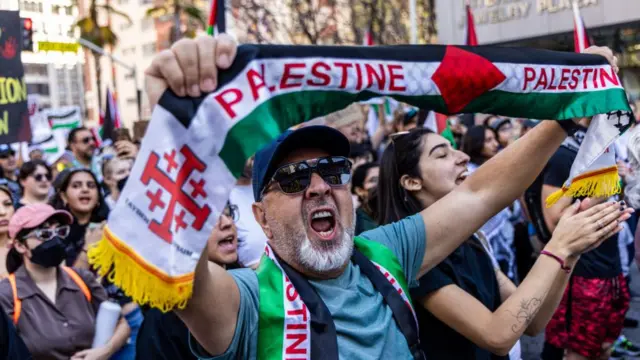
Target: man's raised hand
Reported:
[(189, 67)]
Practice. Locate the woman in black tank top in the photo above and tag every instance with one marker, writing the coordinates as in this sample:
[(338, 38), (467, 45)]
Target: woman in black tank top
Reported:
[(469, 308)]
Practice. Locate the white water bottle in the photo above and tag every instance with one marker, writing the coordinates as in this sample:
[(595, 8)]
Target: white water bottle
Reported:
[(106, 321)]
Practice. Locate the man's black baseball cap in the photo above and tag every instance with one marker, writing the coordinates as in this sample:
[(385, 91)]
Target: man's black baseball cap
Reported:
[(268, 158)]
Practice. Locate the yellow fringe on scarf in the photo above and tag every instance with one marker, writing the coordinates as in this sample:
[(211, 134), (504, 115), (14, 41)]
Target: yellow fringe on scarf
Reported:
[(141, 281), (600, 183)]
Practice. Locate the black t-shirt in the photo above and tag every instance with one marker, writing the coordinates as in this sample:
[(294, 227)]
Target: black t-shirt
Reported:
[(602, 262), (163, 336), (470, 268)]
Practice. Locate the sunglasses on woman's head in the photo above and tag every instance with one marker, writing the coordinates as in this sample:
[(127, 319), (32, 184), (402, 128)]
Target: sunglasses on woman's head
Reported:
[(48, 234), (295, 177), (395, 136)]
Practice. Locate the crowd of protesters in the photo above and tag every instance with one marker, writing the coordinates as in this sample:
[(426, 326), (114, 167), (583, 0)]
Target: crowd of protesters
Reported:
[(473, 301)]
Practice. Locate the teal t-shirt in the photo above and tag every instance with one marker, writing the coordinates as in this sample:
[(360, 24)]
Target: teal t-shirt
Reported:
[(364, 324)]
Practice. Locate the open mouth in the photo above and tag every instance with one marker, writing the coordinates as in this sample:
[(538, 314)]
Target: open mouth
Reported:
[(462, 177), (323, 223), (227, 244), (84, 200)]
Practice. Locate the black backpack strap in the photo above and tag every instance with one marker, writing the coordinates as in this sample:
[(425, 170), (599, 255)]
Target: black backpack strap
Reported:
[(401, 312), (324, 339)]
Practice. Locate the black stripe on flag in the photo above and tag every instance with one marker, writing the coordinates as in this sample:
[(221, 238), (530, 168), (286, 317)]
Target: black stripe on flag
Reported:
[(416, 53), (185, 110), (50, 138), (62, 116)]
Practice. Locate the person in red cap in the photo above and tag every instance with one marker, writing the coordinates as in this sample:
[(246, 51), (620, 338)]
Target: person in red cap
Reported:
[(53, 307)]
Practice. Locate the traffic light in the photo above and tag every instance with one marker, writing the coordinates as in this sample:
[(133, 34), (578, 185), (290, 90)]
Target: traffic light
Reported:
[(27, 34)]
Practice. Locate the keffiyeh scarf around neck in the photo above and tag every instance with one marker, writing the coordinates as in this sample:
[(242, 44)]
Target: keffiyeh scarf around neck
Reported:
[(195, 148)]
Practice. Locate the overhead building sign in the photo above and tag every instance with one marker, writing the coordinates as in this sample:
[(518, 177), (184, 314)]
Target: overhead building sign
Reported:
[(57, 46), (499, 11)]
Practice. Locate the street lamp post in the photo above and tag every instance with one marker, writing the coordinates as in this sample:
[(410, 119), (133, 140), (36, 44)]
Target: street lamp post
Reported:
[(133, 69)]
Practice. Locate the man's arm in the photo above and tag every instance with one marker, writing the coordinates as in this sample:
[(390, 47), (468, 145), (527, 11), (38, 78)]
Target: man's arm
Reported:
[(212, 285), (495, 185), (190, 68)]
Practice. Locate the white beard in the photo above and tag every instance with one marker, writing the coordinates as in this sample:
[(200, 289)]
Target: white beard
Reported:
[(325, 260), (328, 260)]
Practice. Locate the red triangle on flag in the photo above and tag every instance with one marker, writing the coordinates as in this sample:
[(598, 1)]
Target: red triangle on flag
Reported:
[(463, 76)]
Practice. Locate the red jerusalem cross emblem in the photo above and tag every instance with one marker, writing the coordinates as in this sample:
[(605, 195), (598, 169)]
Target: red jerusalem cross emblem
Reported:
[(174, 221)]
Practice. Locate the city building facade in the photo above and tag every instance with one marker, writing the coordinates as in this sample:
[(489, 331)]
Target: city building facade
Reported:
[(57, 76)]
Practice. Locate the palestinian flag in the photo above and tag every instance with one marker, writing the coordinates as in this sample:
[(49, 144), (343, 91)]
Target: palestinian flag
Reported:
[(97, 136), (581, 39), (368, 39), (195, 148), (48, 145), (439, 124), (472, 38), (384, 107), (600, 177), (111, 119), (217, 21), (67, 120)]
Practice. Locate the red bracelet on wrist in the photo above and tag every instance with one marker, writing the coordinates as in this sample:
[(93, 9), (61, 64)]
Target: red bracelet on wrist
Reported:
[(558, 259)]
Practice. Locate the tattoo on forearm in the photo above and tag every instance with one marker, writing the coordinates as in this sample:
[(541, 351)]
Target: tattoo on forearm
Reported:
[(527, 312)]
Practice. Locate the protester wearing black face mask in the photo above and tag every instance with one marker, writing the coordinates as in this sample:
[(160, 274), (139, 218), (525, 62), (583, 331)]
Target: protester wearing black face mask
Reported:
[(53, 307)]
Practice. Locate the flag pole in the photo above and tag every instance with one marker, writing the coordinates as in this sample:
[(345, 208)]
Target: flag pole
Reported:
[(413, 19), (212, 17)]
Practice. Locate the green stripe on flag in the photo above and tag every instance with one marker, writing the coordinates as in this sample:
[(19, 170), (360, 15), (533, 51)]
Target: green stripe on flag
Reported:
[(281, 112), (448, 134), (271, 320), (70, 125), (542, 105), (387, 107), (272, 117)]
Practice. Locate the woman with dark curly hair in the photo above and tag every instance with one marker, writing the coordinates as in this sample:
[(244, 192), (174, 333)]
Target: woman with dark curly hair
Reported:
[(77, 192)]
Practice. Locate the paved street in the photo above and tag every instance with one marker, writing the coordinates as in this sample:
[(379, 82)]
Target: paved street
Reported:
[(531, 347)]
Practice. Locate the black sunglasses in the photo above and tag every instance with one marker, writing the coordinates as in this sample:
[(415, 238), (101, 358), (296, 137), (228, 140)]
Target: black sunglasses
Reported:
[(7, 155), (42, 177), (295, 177), (86, 140)]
